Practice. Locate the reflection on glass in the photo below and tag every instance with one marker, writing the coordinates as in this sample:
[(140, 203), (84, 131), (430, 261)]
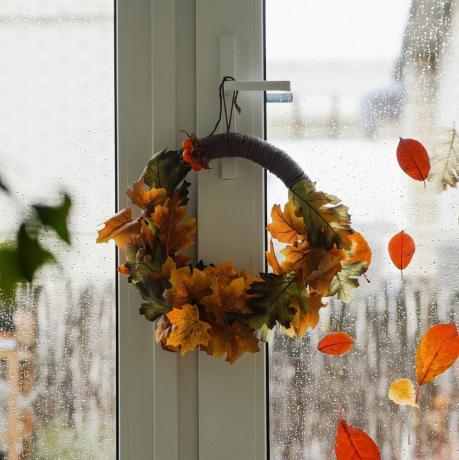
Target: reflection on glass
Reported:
[(363, 75), (57, 351)]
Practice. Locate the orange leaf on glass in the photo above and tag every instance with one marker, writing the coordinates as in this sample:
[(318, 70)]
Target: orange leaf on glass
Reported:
[(437, 351), (401, 249), (354, 444), (336, 343), (413, 159)]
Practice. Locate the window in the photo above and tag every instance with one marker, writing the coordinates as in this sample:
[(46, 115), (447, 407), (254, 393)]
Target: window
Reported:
[(57, 351), (363, 75)]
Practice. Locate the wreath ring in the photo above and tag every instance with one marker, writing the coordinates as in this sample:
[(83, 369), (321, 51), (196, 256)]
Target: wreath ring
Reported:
[(220, 309)]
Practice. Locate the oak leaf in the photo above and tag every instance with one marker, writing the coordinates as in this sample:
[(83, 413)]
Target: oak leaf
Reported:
[(352, 443), (402, 392), (187, 286), (345, 281), (436, 352), (121, 228), (336, 344), (286, 226), (190, 331), (175, 231), (326, 218), (144, 198)]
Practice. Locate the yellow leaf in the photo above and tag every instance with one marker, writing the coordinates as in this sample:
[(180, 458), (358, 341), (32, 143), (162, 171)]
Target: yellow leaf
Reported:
[(120, 228), (402, 392), (144, 198), (189, 331), (272, 261), (187, 286), (225, 272), (175, 231), (286, 226)]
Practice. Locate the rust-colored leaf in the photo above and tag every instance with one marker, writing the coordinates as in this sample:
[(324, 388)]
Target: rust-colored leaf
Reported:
[(176, 232), (189, 331), (336, 343), (352, 443), (413, 159), (436, 352), (143, 198), (286, 226), (360, 251), (401, 249), (120, 228), (187, 286)]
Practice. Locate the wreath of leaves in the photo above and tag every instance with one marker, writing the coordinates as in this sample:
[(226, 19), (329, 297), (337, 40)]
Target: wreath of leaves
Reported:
[(220, 309)]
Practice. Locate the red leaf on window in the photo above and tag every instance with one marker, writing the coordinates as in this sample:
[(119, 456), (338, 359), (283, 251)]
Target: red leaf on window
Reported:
[(354, 444), (401, 249), (413, 159), (336, 343)]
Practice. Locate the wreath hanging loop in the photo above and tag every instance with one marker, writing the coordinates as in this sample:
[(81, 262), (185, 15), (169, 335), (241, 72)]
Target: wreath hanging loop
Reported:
[(218, 308)]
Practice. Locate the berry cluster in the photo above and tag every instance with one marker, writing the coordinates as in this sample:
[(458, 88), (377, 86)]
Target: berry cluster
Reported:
[(189, 154)]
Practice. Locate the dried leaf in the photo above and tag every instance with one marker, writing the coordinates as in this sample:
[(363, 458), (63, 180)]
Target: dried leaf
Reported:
[(360, 251), (144, 198), (345, 281), (307, 315), (413, 159), (329, 265), (401, 249), (437, 351), (187, 286), (402, 392), (286, 226), (120, 228), (175, 231), (190, 331), (302, 259), (272, 261), (354, 444), (326, 218), (445, 163), (336, 343)]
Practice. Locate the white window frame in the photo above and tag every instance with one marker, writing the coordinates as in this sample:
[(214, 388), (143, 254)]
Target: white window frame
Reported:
[(168, 71)]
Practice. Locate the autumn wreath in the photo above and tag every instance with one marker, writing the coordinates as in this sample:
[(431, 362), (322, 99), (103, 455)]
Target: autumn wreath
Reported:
[(218, 308)]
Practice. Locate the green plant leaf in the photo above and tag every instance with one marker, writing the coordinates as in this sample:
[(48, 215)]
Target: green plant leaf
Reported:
[(271, 301), (165, 170), (56, 217), (345, 281), (153, 309), (30, 254), (326, 218), (10, 272)]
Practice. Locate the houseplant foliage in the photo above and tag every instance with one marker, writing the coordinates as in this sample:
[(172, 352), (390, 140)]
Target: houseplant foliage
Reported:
[(219, 308)]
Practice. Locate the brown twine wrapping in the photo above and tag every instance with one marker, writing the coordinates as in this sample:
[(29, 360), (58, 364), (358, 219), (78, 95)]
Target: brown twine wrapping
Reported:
[(255, 149)]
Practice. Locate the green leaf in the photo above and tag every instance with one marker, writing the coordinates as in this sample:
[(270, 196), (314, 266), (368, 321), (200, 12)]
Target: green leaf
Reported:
[(271, 301), (30, 254), (56, 217), (326, 218), (10, 272), (166, 170), (153, 309), (344, 282)]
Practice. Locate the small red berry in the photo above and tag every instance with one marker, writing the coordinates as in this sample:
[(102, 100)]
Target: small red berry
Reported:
[(187, 156), (187, 144), (196, 166)]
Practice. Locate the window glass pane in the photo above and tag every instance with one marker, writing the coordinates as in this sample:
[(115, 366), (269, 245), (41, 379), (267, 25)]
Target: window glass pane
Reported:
[(57, 353), (364, 73)]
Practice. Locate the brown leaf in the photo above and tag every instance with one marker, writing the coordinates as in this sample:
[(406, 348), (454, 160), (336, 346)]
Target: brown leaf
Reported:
[(144, 198), (305, 320), (120, 228), (188, 286)]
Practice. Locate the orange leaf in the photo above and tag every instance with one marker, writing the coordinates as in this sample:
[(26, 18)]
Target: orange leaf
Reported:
[(401, 249), (189, 332), (271, 259), (354, 444), (302, 321), (286, 226), (186, 286), (336, 343), (436, 352), (225, 272), (329, 265), (175, 231), (120, 228), (360, 251), (143, 198), (413, 159)]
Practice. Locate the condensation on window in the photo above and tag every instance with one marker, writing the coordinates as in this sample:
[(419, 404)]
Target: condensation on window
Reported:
[(57, 350), (365, 73)]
